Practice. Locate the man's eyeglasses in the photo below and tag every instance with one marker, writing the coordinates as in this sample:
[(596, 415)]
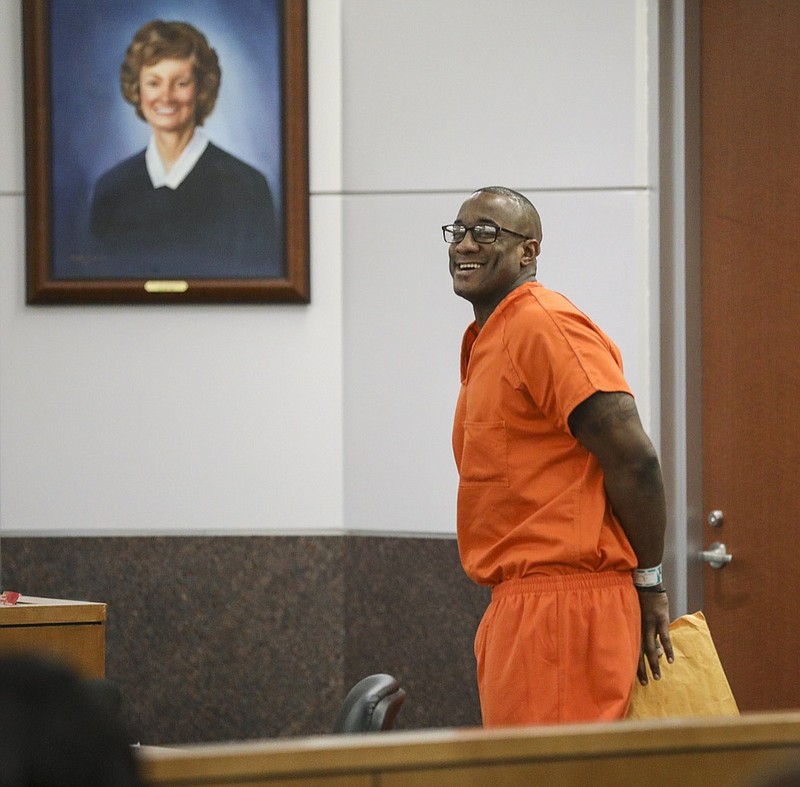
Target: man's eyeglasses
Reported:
[(481, 233)]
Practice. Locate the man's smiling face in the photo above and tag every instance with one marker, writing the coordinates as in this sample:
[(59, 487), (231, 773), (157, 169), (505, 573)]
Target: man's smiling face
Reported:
[(484, 273)]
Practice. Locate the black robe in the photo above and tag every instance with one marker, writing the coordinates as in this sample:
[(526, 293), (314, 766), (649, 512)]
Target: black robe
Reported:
[(219, 223)]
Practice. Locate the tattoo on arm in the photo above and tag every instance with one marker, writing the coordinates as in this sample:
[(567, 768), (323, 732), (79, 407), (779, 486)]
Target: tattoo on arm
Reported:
[(602, 412), (608, 425)]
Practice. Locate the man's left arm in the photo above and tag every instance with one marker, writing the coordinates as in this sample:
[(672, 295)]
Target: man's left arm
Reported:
[(608, 425)]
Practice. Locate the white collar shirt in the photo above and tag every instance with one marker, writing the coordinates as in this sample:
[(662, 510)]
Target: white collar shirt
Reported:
[(159, 176)]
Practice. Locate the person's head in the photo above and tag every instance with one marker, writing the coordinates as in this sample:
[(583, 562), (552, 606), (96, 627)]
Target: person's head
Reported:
[(170, 75), (498, 250), (55, 730)]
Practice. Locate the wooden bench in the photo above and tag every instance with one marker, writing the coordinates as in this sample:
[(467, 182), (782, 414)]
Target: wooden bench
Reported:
[(721, 752)]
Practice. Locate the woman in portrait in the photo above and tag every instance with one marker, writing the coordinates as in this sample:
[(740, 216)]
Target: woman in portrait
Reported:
[(183, 206)]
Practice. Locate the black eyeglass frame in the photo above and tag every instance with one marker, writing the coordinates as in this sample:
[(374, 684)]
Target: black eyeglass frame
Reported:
[(452, 227)]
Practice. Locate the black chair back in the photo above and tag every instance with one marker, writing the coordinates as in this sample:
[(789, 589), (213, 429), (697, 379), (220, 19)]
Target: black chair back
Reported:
[(371, 705)]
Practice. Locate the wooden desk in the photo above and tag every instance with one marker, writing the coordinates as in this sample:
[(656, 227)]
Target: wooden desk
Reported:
[(73, 632), (688, 752)]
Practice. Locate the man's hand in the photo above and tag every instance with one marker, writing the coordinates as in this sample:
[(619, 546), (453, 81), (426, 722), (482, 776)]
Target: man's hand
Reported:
[(655, 633)]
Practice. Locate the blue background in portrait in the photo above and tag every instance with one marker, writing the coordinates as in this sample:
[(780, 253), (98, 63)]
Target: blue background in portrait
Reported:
[(94, 128)]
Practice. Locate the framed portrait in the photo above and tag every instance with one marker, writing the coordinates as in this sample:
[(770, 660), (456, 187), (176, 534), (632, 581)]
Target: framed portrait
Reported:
[(166, 146)]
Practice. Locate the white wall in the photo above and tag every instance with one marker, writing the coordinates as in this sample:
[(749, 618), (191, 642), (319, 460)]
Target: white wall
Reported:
[(336, 416), (442, 97), (219, 419)]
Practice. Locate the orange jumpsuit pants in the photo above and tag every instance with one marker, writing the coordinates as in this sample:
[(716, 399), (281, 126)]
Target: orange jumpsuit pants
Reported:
[(561, 648)]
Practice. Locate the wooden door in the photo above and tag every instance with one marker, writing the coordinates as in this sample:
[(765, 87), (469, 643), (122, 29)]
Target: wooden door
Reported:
[(750, 105)]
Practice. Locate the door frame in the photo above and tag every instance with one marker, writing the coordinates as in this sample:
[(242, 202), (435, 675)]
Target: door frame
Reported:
[(679, 145)]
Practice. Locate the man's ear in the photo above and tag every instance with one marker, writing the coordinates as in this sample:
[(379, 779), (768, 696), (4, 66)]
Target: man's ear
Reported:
[(530, 251)]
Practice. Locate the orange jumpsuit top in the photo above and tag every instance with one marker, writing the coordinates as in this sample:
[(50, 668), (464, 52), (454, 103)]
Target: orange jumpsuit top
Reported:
[(531, 498)]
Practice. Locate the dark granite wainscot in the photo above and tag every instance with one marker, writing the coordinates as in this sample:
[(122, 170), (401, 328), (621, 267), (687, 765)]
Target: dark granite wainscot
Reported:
[(223, 638)]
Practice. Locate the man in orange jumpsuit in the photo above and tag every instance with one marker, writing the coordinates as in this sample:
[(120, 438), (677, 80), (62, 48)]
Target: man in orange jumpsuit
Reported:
[(561, 503)]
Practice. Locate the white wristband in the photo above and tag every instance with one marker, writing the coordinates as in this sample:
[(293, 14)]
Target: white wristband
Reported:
[(647, 577)]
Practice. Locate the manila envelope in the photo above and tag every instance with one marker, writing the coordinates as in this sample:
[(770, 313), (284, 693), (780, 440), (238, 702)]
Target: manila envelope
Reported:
[(693, 685)]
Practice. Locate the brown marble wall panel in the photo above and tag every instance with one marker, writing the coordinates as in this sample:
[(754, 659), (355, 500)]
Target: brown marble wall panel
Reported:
[(412, 612), (223, 638)]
